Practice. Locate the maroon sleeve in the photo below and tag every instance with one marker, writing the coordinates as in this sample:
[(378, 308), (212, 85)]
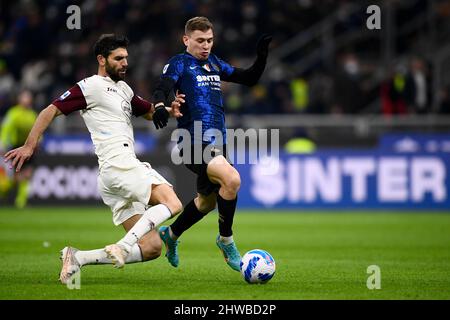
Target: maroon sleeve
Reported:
[(140, 106), (71, 100)]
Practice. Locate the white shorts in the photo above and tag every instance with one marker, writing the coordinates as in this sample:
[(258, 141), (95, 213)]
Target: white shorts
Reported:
[(120, 187)]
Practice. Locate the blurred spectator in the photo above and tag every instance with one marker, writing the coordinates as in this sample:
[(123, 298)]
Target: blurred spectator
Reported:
[(417, 87), (393, 100), (14, 131), (300, 94), (258, 102), (348, 85), (280, 97), (233, 103), (38, 51), (320, 92), (300, 143)]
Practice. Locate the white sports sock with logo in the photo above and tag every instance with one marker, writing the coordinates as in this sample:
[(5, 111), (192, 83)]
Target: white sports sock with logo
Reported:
[(151, 218), (135, 255), (99, 256)]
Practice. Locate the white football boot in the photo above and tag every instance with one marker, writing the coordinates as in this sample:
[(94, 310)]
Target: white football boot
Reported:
[(70, 265), (117, 254)]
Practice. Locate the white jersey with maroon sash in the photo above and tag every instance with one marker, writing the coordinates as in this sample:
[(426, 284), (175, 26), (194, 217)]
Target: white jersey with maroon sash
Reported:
[(107, 107)]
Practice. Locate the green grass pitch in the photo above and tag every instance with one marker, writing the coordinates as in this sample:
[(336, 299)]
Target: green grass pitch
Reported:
[(319, 255)]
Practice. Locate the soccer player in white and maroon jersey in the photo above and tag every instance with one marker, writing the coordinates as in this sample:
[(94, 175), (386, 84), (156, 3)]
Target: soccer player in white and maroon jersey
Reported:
[(106, 104)]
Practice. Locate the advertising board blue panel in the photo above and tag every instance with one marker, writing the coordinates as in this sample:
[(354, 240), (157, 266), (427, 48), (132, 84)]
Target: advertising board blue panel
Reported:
[(348, 180), (323, 180), (415, 142)]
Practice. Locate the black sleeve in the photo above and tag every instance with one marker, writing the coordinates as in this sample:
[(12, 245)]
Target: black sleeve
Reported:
[(162, 90), (250, 76)]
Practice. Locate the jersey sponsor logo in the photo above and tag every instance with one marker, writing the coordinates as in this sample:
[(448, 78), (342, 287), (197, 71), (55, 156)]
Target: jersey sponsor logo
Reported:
[(64, 95), (111, 90), (165, 68), (208, 78), (213, 81)]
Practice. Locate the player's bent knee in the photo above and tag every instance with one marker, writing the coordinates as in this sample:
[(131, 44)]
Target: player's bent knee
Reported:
[(233, 183), (151, 254), (150, 250)]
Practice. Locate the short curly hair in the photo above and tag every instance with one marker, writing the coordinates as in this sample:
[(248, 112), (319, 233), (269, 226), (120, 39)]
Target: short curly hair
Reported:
[(109, 42)]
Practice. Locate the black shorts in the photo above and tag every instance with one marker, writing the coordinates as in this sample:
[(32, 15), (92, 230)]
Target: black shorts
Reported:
[(204, 185)]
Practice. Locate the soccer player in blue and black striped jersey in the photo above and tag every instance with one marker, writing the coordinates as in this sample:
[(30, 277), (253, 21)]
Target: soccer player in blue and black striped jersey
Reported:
[(198, 73)]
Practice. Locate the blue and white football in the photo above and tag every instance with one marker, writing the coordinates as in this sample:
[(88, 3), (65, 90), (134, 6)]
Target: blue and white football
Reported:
[(257, 266)]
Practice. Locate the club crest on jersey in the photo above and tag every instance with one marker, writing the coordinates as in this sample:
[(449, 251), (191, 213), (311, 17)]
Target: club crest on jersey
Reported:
[(207, 68), (64, 95)]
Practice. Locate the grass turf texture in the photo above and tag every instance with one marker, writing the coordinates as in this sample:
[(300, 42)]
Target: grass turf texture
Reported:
[(319, 255)]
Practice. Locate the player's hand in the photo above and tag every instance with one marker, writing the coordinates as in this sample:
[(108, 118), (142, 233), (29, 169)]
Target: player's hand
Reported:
[(262, 47), (174, 111), (18, 156), (160, 116)]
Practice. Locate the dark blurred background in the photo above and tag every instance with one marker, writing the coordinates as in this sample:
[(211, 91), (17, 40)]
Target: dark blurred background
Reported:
[(329, 78), (324, 59)]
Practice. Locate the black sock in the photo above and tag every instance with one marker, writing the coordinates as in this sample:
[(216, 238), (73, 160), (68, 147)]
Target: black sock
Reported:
[(186, 219), (226, 214)]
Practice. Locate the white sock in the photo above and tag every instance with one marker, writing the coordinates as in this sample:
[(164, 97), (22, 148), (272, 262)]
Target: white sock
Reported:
[(151, 218), (135, 255), (226, 240), (99, 256)]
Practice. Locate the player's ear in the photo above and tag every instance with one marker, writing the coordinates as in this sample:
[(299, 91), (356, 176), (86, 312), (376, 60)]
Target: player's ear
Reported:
[(185, 40), (101, 60)]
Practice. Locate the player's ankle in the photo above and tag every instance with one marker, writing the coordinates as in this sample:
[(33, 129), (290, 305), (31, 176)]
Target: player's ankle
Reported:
[(226, 240), (172, 235), (125, 246)]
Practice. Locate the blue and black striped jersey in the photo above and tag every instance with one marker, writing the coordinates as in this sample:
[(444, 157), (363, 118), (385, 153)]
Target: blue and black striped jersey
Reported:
[(200, 80)]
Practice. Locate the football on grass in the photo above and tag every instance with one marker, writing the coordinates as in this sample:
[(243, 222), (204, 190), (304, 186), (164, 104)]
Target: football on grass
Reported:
[(257, 266)]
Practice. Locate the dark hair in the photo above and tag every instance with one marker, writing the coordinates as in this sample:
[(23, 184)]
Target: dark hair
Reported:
[(197, 23), (109, 42)]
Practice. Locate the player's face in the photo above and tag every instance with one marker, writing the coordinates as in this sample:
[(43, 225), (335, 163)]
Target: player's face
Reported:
[(199, 43), (116, 65), (26, 99)]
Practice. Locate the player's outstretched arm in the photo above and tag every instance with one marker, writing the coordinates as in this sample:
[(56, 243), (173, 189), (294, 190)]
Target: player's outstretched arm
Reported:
[(19, 155), (250, 76), (161, 113), (163, 88)]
